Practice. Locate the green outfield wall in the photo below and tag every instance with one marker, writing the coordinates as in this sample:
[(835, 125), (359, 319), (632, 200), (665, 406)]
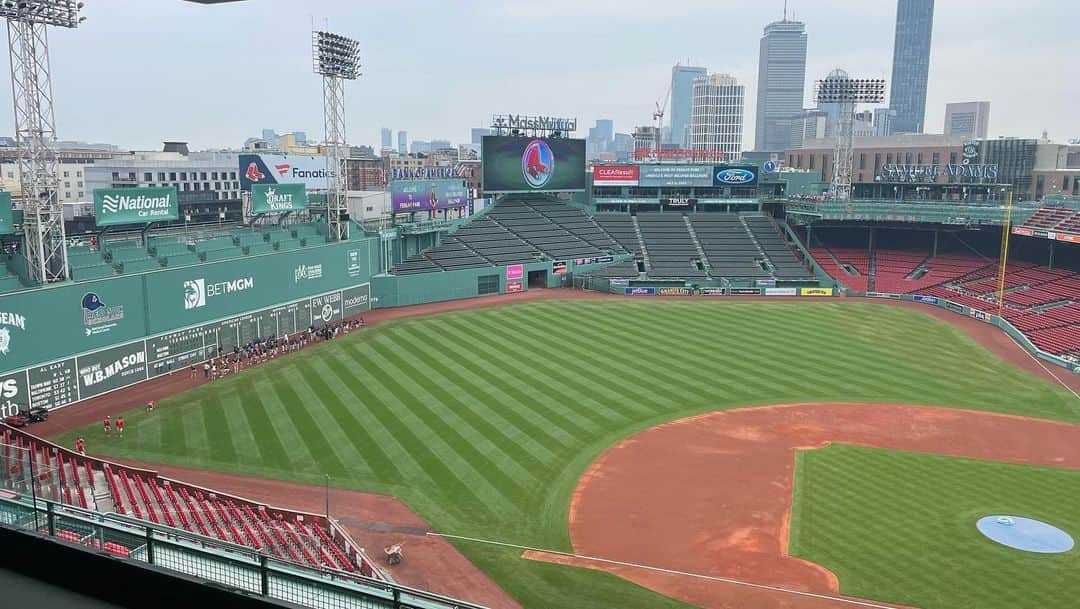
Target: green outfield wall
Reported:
[(69, 342), (421, 288)]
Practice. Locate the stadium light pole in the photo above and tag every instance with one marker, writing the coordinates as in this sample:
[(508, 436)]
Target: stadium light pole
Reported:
[(35, 129), (337, 59), (846, 92)]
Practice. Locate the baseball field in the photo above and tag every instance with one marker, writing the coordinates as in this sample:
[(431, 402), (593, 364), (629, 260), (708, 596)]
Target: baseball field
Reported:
[(484, 421)]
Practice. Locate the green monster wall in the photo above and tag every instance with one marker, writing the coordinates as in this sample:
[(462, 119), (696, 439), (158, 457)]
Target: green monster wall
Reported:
[(69, 342)]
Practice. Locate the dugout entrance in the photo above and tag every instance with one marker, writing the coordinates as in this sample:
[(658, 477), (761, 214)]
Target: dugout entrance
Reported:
[(538, 279)]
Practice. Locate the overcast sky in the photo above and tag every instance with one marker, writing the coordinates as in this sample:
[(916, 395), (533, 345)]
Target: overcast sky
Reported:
[(141, 71)]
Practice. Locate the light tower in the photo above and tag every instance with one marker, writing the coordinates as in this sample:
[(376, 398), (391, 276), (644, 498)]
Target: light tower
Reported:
[(35, 129), (846, 92), (337, 59)]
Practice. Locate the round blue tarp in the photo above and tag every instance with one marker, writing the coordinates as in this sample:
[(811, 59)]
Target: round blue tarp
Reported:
[(1025, 534)]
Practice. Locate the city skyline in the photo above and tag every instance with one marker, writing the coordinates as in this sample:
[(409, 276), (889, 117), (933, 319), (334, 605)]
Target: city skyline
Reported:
[(217, 93)]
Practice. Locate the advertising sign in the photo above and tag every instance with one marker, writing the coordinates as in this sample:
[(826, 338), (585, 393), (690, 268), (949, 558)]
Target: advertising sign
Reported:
[(927, 299), (524, 164), (1018, 230), (1068, 238), (14, 394), (675, 292), (678, 202), (664, 176), (780, 291), (712, 291), (270, 198), (952, 306), (356, 300), (427, 195), (111, 369), (745, 291), (639, 291), (515, 271), (979, 315), (725, 175), (284, 169), (513, 287), (883, 295), (7, 223), (135, 205), (815, 291), (616, 175), (558, 267)]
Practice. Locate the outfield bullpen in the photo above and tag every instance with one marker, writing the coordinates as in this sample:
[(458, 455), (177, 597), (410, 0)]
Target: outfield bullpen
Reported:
[(484, 420)]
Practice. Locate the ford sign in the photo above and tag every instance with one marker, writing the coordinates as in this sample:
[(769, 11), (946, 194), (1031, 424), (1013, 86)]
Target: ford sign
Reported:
[(734, 177)]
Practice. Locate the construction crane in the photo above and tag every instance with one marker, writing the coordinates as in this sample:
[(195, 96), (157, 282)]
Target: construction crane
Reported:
[(658, 116)]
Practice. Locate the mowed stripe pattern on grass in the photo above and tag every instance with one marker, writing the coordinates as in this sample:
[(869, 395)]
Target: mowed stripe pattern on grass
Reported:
[(483, 420), (900, 527)]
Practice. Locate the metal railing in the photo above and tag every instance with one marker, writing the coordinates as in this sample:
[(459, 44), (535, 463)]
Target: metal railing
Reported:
[(236, 567)]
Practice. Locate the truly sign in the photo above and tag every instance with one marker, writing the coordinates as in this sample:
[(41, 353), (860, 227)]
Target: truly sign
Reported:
[(135, 205)]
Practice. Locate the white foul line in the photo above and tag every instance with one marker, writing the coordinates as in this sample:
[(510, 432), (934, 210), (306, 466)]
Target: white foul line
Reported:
[(726, 580), (1043, 366)]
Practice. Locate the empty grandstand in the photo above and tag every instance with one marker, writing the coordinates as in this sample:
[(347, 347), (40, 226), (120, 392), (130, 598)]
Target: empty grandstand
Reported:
[(74, 479), (1041, 302), (516, 231)]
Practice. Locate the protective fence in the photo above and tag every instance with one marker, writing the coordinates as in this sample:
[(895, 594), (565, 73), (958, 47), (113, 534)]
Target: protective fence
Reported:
[(213, 560)]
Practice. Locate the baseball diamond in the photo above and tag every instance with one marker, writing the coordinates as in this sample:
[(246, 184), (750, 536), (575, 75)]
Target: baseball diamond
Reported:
[(484, 421)]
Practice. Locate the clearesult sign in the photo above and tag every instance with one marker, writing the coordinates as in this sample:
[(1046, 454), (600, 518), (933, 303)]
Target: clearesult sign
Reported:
[(275, 198), (135, 205)]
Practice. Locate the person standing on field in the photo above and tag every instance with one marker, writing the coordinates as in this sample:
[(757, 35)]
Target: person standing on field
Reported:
[(120, 426), (108, 425), (80, 446)]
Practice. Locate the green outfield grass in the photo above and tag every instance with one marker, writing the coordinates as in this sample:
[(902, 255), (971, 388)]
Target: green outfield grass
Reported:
[(900, 527), (482, 421)]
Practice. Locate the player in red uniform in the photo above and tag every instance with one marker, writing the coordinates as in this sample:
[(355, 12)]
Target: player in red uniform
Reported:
[(80, 446), (120, 426), (108, 425)]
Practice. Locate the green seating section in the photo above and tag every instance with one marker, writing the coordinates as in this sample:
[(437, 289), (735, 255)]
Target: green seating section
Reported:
[(161, 250), (261, 247), (121, 245), (140, 265), (9, 283), (248, 237), (92, 272), (127, 255), (278, 234), (217, 243), (77, 261), (180, 259), (223, 253), (310, 240), (287, 244)]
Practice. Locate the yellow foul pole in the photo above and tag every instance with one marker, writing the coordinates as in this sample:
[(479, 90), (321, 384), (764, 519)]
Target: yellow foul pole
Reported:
[(1003, 258)]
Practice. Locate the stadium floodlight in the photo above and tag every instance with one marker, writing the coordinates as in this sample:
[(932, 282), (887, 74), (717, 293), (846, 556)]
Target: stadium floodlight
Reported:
[(35, 129), (846, 92), (337, 59), (60, 13), (336, 56)]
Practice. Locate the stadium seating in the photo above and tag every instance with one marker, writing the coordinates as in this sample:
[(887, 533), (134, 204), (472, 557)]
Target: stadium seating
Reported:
[(621, 229), (516, 231), (727, 245), (139, 265), (775, 248), (92, 272), (71, 478), (669, 246)]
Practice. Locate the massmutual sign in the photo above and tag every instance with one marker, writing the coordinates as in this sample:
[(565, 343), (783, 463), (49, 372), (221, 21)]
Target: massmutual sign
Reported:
[(135, 205), (273, 198)]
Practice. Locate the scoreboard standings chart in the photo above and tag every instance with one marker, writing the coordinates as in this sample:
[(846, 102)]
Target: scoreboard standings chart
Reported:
[(77, 378)]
